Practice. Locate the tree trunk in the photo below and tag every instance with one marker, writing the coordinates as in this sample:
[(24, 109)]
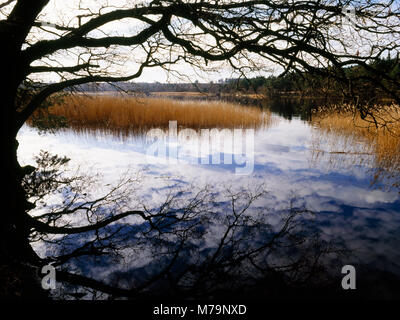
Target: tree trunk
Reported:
[(18, 261)]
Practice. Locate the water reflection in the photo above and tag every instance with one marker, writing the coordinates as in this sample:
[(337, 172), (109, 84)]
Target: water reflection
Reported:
[(192, 244), (319, 212)]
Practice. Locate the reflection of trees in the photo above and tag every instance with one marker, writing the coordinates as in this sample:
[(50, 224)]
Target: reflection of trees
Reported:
[(190, 244)]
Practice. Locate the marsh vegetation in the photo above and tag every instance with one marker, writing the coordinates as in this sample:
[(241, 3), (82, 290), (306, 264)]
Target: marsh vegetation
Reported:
[(375, 140), (133, 115)]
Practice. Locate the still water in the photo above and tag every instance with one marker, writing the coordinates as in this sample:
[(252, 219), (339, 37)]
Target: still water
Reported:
[(346, 215)]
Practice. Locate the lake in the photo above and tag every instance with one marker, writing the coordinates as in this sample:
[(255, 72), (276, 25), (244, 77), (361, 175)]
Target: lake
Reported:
[(345, 215)]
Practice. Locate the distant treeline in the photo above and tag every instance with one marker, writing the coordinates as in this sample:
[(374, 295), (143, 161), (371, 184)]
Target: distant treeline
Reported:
[(146, 87), (363, 83)]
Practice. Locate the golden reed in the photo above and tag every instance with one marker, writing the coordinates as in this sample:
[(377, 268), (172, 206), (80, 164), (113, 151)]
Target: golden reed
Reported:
[(132, 115), (380, 138)]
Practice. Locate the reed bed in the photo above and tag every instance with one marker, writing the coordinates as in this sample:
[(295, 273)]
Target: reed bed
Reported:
[(132, 115), (364, 136)]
